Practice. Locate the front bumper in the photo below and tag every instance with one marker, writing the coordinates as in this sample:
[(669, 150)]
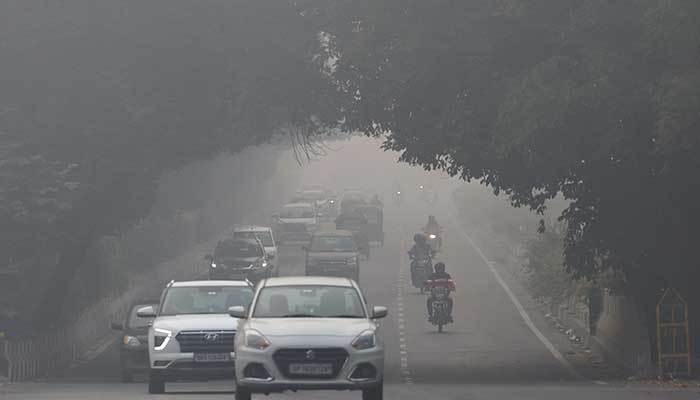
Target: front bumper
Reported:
[(175, 366), (253, 275), (278, 381)]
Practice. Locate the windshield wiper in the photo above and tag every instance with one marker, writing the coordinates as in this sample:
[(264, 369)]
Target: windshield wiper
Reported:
[(298, 316)]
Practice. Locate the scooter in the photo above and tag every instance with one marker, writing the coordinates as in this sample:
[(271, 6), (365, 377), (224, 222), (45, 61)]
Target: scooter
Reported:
[(421, 268), (440, 294)]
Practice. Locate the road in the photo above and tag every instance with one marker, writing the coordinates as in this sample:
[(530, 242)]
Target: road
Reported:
[(500, 346)]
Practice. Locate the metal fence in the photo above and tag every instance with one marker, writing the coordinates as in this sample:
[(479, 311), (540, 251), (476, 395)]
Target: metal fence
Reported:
[(37, 356)]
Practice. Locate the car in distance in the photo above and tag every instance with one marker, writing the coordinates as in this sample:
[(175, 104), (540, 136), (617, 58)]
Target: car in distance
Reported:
[(264, 233), (333, 253), (133, 339), (296, 222), (239, 259), (308, 333), (192, 334)]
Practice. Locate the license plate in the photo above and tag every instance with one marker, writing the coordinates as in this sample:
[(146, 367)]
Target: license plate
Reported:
[(212, 357), (311, 369)]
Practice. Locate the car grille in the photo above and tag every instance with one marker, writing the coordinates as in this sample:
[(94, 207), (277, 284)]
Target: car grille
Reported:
[(335, 356), (333, 262), (206, 341)]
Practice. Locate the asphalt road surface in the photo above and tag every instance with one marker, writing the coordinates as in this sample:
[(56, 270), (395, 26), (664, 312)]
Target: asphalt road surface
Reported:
[(500, 346)]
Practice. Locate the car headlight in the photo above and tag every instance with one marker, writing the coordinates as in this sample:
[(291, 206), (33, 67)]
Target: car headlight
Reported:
[(365, 340), (255, 340), (130, 341), (433, 236), (213, 265), (352, 261), (161, 338)]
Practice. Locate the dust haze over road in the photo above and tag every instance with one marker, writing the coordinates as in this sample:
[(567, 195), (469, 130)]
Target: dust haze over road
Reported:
[(499, 347)]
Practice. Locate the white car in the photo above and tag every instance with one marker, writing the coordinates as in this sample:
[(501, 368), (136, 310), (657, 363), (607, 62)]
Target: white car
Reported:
[(308, 333), (191, 336), (296, 222), (265, 235)]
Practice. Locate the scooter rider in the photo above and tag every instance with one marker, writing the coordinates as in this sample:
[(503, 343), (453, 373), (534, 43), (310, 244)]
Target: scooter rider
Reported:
[(439, 274)]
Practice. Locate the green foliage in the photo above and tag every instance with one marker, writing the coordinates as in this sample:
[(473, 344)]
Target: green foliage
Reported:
[(594, 100)]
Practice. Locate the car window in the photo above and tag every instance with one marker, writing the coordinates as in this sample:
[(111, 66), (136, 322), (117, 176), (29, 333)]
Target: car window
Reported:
[(297, 212), (309, 301), (332, 244), (205, 299), (264, 236), (134, 321), (237, 248)]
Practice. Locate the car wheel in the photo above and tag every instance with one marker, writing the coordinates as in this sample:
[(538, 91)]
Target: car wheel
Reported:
[(156, 383), (374, 393), (243, 394)]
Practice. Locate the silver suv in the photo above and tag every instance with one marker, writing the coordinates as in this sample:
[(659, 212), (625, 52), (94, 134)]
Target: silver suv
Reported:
[(192, 334), (332, 253), (309, 333)]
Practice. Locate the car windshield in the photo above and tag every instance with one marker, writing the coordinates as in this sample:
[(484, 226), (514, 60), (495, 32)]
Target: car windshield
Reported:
[(136, 322), (314, 195), (205, 299), (332, 244), (297, 212), (237, 249), (309, 301), (264, 236)]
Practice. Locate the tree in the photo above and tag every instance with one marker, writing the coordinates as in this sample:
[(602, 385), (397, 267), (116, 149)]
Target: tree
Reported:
[(98, 99), (594, 100)]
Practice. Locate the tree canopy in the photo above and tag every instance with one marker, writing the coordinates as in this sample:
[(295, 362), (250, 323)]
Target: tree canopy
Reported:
[(595, 100)]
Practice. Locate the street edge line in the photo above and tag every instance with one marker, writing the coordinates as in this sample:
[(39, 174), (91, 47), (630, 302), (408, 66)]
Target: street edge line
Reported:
[(521, 310)]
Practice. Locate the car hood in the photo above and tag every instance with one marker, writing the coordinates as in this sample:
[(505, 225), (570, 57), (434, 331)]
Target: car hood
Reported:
[(196, 322), (340, 327), (332, 255)]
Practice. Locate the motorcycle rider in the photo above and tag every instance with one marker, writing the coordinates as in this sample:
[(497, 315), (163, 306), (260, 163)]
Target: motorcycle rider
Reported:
[(439, 274), (420, 246)]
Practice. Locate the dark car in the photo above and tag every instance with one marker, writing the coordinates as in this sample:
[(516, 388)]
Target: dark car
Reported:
[(133, 342), (332, 253), (239, 259)]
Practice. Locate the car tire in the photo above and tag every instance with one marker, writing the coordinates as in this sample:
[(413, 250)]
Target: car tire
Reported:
[(374, 393), (156, 383), (243, 394)]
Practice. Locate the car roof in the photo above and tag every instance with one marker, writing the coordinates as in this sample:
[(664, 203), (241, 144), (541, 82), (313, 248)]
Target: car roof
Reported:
[(298, 204), (308, 280), (251, 228), (333, 232), (209, 283)]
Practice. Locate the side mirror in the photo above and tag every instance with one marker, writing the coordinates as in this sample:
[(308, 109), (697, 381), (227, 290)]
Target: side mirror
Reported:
[(146, 312), (209, 258), (305, 248), (379, 312), (117, 327), (237, 312)]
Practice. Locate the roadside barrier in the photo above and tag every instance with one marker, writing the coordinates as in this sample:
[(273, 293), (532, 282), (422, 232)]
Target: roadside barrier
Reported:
[(38, 356)]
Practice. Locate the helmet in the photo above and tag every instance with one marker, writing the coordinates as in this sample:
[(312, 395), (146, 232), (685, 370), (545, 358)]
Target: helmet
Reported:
[(418, 238), (440, 267), (431, 218)]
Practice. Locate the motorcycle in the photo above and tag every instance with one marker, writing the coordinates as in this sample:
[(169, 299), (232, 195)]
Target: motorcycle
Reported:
[(421, 268), (440, 293)]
